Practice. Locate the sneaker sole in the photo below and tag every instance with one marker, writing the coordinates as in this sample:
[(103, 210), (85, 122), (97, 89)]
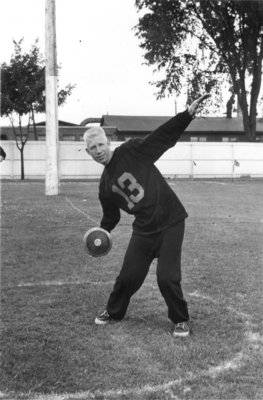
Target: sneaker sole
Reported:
[(99, 322), (181, 334)]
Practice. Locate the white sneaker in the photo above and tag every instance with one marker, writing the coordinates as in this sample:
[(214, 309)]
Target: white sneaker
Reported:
[(181, 329), (103, 318)]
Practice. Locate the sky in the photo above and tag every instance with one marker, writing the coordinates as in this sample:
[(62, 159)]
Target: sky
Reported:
[(98, 52)]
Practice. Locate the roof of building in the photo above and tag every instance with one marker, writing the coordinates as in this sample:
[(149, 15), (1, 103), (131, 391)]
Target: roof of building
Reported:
[(60, 122), (127, 123), (133, 123)]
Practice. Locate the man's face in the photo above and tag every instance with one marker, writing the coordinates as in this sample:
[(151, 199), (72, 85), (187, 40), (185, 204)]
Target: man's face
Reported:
[(99, 149)]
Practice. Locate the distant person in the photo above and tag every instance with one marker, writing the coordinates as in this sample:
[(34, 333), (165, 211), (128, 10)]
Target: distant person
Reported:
[(2, 154), (131, 182), (229, 106)]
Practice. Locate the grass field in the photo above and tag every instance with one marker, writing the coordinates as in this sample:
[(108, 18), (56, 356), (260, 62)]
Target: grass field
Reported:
[(52, 290)]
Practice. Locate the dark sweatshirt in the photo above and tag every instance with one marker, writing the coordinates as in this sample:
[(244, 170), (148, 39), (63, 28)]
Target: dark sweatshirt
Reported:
[(132, 182)]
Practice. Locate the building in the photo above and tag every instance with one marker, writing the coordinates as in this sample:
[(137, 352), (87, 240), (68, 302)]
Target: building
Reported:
[(124, 127), (209, 129)]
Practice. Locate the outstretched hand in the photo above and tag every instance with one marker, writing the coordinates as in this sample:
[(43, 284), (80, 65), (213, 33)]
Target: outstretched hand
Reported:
[(195, 104)]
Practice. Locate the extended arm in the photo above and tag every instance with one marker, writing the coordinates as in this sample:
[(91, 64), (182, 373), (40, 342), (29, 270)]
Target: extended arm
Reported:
[(167, 135)]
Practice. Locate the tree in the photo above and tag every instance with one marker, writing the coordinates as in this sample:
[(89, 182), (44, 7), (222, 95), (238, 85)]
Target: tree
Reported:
[(23, 92), (226, 38)]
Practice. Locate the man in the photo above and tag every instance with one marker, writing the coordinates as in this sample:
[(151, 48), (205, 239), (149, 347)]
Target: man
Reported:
[(131, 182)]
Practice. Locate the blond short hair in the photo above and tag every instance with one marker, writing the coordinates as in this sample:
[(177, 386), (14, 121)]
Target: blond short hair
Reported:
[(92, 132)]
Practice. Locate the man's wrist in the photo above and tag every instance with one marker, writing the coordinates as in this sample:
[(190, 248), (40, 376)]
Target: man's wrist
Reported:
[(190, 112)]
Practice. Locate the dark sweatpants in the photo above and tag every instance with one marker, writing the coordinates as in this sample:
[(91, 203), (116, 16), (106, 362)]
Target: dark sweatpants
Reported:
[(166, 247)]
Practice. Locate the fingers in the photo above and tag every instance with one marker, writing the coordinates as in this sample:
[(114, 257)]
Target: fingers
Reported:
[(194, 106), (204, 97)]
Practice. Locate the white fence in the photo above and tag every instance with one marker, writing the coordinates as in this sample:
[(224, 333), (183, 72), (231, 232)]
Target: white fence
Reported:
[(186, 159)]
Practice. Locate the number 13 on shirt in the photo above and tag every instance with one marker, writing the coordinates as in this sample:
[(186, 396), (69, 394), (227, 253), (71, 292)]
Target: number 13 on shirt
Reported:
[(129, 189)]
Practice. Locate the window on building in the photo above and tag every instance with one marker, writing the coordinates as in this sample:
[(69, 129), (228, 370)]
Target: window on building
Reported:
[(69, 138), (194, 139), (233, 139), (225, 139), (202, 139)]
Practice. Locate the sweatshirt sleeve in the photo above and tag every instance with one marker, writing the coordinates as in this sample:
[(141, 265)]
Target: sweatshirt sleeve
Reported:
[(111, 214), (166, 136)]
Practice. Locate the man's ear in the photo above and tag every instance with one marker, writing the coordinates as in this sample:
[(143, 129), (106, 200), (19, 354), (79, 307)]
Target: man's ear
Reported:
[(87, 150)]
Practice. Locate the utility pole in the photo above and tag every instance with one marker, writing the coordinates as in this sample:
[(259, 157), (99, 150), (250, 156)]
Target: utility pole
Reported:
[(52, 174)]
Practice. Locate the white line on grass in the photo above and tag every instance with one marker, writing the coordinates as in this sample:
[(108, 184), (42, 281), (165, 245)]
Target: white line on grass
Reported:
[(229, 308), (82, 212), (251, 339), (233, 364), (67, 283), (59, 283)]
